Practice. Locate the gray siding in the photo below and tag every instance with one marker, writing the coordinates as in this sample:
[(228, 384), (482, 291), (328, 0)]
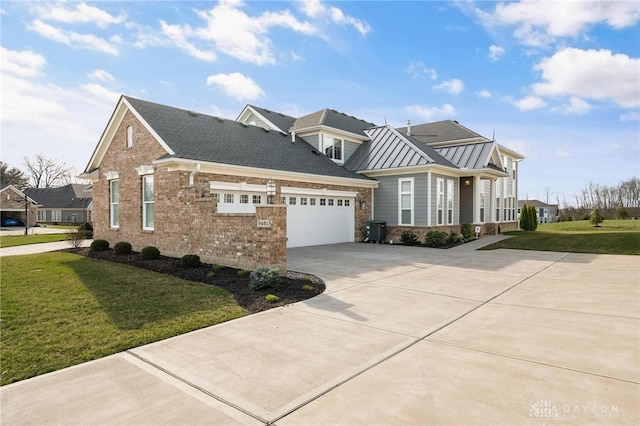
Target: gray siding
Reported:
[(314, 141), (258, 122), (386, 199), (349, 149)]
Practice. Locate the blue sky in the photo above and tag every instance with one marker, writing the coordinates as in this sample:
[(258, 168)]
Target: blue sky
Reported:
[(557, 81)]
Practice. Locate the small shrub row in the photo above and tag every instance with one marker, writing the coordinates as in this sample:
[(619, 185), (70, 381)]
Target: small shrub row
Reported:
[(190, 261), (438, 238), (122, 248)]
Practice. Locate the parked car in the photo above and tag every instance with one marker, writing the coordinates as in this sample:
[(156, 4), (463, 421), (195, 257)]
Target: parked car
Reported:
[(11, 221)]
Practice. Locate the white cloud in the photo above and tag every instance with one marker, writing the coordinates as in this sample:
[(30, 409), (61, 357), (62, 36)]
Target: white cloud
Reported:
[(25, 63), (561, 153), (630, 116), (495, 52), (592, 74), (576, 106), (101, 75), (541, 22), (74, 39), (82, 13), (453, 86), (104, 94), (529, 103), (429, 113), (316, 9), (485, 94), (178, 36), (236, 85), (416, 69)]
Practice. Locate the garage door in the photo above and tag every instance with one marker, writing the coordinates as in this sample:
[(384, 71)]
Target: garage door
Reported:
[(319, 219)]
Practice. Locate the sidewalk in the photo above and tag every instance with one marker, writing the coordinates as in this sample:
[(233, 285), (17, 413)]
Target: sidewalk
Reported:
[(38, 248)]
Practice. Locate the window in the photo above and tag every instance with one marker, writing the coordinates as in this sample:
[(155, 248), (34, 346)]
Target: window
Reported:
[(56, 215), (312, 201), (147, 202), (229, 198), (292, 201), (339, 203), (303, 201), (215, 196), (405, 193), (283, 200), (323, 201), (440, 201), (497, 209), (114, 203), (346, 203), (330, 201), (129, 136), (257, 199), (449, 202), (332, 147), (244, 198), (482, 207), (41, 215), (504, 208)]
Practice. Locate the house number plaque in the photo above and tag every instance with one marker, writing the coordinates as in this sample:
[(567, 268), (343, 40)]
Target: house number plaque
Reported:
[(264, 223)]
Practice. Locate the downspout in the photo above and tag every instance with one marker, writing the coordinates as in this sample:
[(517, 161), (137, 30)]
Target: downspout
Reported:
[(193, 174)]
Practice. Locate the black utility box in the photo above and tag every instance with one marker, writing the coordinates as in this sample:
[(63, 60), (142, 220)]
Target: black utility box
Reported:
[(377, 230)]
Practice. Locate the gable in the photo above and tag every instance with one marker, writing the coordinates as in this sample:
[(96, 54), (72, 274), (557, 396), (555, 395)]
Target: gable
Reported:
[(262, 117)]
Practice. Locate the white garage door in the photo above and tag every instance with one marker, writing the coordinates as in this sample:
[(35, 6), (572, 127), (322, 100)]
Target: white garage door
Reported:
[(314, 220)]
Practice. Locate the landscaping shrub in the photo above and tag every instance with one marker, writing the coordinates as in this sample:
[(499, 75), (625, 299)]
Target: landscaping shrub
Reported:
[(99, 245), (149, 253), (436, 238), (86, 230), (190, 261), (409, 238), (122, 247), (466, 231), (596, 218), (264, 277), (454, 238), (622, 213), (271, 298)]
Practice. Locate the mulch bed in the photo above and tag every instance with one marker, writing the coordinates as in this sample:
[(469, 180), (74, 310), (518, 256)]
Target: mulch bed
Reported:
[(290, 290)]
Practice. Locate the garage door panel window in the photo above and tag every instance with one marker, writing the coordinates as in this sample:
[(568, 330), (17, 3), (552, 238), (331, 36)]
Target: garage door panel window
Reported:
[(323, 201), (312, 201)]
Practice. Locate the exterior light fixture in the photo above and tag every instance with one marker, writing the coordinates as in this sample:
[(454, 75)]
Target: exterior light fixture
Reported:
[(467, 182), (271, 190)]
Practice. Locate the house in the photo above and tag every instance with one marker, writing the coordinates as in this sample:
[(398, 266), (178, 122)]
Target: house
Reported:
[(16, 204), (240, 192), (69, 204), (546, 213)]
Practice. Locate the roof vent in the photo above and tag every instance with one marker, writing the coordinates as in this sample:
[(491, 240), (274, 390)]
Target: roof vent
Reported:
[(193, 113), (220, 119), (408, 127), (315, 151)]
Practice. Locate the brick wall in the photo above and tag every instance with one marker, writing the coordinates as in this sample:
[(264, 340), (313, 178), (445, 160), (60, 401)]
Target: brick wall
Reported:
[(185, 217), (14, 204)]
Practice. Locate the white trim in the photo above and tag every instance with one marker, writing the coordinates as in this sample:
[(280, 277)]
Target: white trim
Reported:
[(291, 190), (411, 193), (145, 204), (429, 203), (174, 165), (237, 186), (111, 175), (438, 193), (331, 130), (451, 186), (145, 170), (248, 110)]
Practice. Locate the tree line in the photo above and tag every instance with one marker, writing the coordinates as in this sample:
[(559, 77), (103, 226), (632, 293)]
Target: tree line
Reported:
[(609, 200), (41, 172)]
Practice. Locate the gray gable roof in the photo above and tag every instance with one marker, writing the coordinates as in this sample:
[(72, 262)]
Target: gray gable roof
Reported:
[(390, 149), (335, 119), (201, 137), (441, 131), (470, 156), (72, 196), (283, 121)]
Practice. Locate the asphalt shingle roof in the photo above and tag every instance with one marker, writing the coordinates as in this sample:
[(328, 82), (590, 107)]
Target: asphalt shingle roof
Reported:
[(335, 119), (440, 131), (284, 122), (72, 196), (202, 137)]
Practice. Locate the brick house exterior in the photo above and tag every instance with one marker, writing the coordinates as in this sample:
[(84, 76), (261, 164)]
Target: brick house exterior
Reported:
[(12, 205)]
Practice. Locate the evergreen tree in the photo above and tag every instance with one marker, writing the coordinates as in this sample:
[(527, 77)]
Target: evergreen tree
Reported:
[(596, 217), (524, 218)]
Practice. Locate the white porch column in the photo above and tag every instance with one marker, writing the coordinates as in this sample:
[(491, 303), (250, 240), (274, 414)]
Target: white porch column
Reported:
[(492, 203), (477, 182), (429, 192)]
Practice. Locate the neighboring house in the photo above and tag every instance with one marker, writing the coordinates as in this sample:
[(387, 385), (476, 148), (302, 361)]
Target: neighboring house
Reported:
[(69, 204), (14, 204), (190, 183), (547, 213)]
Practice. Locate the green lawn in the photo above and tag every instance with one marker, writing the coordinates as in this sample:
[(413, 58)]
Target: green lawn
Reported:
[(611, 237), (60, 309), (21, 240)]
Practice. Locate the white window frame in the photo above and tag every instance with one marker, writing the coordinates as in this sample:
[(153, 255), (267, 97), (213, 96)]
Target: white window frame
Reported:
[(148, 203), (56, 215), (329, 150), (482, 209), (114, 205), (129, 136), (450, 212), (41, 215), (440, 201), (401, 196)]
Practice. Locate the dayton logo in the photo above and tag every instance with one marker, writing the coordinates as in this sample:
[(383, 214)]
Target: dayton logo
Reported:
[(543, 410)]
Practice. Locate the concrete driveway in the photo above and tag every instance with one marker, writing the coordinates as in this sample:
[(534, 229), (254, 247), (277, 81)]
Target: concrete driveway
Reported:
[(401, 336)]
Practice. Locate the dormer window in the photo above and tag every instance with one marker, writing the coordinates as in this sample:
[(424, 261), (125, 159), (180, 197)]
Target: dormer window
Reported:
[(333, 147), (129, 136)]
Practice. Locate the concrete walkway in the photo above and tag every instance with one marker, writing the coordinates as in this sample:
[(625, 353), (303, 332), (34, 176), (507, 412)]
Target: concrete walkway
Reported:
[(403, 335)]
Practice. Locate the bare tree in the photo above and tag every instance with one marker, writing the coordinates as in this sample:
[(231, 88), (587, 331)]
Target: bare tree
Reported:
[(12, 176), (547, 194), (46, 172)]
